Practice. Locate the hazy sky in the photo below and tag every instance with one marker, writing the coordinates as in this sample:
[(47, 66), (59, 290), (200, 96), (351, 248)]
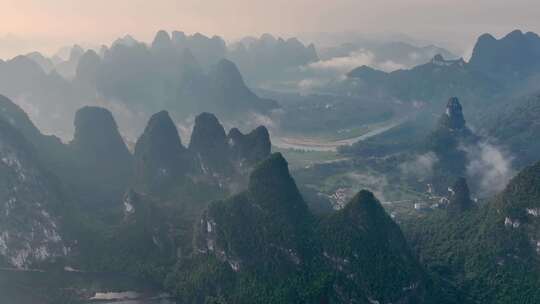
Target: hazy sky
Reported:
[(47, 24)]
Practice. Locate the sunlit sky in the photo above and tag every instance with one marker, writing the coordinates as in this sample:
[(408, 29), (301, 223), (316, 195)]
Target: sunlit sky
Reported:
[(45, 25)]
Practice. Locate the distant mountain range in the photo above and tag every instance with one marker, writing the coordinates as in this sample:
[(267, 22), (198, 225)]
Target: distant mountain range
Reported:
[(514, 57), (429, 82), (265, 233), (219, 219), (52, 183), (132, 79), (388, 55), (495, 66), (268, 59), (169, 75)]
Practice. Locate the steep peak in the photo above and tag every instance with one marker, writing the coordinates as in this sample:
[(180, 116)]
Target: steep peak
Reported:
[(209, 143), (76, 52), (268, 38), (362, 235), (261, 131), (511, 58), (207, 129), (45, 63), (486, 38), (199, 36), (294, 42), (207, 119), (453, 118), (364, 208), (226, 69), (88, 66), (159, 156), (271, 185), (218, 40), (23, 65), (459, 196), (178, 36), (273, 168), (515, 34), (91, 117), (16, 116), (90, 55), (127, 40), (252, 147), (96, 132), (367, 73), (234, 134), (160, 133), (227, 80), (162, 40)]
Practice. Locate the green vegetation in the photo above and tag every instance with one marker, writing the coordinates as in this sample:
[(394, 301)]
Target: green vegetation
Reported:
[(489, 252), (301, 159), (264, 246)]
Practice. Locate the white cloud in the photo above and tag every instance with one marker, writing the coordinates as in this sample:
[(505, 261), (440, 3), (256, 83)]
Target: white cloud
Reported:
[(343, 65), (421, 166), (490, 167), (389, 66)]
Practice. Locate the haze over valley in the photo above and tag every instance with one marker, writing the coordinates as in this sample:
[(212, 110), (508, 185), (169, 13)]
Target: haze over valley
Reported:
[(241, 152)]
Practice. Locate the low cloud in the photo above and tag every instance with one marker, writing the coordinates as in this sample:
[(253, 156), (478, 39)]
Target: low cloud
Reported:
[(309, 84), (489, 167), (343, 65), (421, 167), (389, 66), (374, 183)]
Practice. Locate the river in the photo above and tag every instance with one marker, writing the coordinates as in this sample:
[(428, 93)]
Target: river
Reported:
[(36, 286), (310, 144)]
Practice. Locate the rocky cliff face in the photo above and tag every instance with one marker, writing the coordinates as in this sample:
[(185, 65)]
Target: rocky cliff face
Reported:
[(160, 157), (459, 196), (249, 149), (447, 142), (97, 136), (263, 230), (29, 229), (364, 271), (209, 144), (267, 236), (228, 159), (453, 118), (98, 150)]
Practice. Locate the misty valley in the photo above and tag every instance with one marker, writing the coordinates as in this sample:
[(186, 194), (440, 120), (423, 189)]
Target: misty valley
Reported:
[(193, 169)]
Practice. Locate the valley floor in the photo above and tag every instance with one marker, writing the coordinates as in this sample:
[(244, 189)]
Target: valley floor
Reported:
[(31, 286), (331, 144)]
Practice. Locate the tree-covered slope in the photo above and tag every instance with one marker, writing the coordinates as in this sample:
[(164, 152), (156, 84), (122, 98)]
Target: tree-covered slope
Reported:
[(264, 246), (490, 251)]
